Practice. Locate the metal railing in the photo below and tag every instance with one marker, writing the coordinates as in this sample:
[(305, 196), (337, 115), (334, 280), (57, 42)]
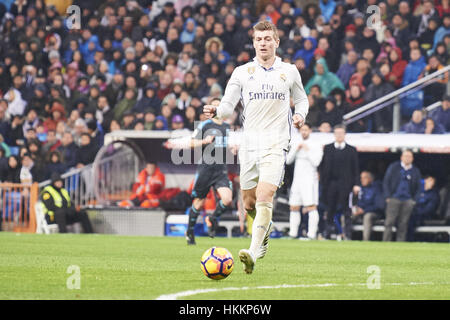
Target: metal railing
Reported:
[(107, 180), (17, 207), (393, 98), (79, 184), (115, 171), (433, 106)]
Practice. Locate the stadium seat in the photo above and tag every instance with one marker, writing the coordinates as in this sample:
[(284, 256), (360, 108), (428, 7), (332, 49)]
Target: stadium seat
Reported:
[(41, 223)]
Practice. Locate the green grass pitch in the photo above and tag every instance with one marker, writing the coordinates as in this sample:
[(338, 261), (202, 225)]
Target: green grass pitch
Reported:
[(35, 266)]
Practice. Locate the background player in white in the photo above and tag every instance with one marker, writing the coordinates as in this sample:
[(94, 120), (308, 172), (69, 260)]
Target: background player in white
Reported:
[(305, 183), (265, 87)]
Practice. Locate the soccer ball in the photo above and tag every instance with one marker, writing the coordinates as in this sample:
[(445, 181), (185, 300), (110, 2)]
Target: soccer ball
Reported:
[(217, 263)]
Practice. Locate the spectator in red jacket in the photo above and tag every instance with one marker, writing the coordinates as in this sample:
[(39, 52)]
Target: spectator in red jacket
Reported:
[(57, 113), (149, 184), (398, 65)]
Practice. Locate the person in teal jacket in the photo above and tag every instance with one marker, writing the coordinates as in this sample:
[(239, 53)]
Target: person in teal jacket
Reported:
[(325, 79)]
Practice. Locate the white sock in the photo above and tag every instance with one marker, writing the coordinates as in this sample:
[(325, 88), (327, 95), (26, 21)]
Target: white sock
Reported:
[(313, 224), (295, 219), (260, 225)]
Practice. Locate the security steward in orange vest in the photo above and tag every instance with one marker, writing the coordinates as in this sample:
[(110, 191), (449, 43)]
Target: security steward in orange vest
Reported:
[(58, 208)]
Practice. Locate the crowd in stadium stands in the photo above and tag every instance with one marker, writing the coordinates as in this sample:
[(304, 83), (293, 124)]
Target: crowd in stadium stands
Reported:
[(152, 65)]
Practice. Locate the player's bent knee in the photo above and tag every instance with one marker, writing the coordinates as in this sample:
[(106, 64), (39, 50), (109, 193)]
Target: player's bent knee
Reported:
[(265, 192)]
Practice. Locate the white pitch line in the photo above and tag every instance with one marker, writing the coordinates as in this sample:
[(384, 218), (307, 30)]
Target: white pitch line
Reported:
[(175, 296)]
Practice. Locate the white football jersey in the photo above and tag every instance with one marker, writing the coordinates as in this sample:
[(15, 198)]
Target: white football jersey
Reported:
[(307, 160), (266, 96)]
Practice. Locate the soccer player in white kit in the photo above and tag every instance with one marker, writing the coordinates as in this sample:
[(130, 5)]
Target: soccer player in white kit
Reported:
[(265, 87), (305, 183)]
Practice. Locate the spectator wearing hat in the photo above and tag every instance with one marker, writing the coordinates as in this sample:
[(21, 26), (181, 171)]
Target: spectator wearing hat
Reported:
[(58, 208), (57, 113), (160, 123), (350, 32), (177, 122)]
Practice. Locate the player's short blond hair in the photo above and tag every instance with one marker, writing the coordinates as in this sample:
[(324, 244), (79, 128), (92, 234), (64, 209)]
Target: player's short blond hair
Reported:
[(267, 25)]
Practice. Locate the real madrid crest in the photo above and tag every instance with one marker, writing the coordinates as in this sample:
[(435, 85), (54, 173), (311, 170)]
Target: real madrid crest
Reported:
[(283, 77), (251, 70)]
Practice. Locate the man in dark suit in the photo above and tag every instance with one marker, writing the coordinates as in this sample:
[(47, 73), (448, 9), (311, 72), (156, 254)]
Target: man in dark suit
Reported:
[(339, 175), (401, 189)]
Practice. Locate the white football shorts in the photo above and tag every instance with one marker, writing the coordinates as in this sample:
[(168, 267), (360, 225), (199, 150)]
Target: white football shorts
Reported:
[(304, 192), (265, 165)]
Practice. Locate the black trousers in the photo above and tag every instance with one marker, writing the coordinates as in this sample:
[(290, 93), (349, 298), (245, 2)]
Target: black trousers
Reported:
[(336, 199), (68, 216)]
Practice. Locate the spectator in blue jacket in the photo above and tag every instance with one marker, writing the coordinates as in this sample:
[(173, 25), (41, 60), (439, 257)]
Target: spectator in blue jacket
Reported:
[(425, 207), (367, 203), (401, 190), (327, 8), (431, 127), (416, 124), (442, 30), (441, 115), (413, 101)]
